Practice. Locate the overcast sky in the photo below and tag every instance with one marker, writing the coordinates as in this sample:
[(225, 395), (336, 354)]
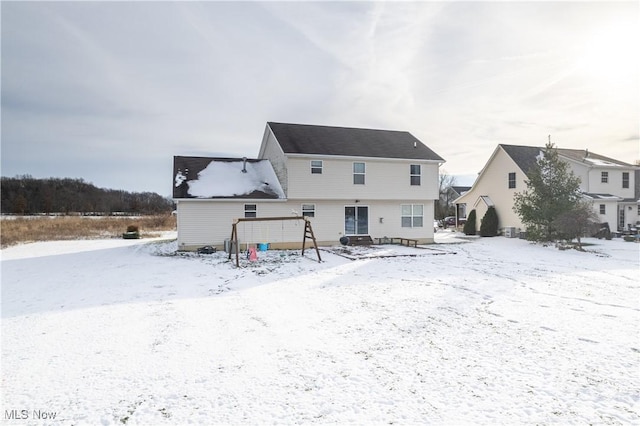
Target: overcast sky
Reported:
[(111, 91)]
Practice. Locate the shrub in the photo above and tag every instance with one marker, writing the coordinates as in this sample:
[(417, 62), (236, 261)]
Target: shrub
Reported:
[(574, 223), (489, 224), (469, 227)]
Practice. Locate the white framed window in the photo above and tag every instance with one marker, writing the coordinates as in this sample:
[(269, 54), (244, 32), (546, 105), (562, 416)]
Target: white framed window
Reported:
[(415, 171), (604, 177), (250, 210), (412, 215), (603, 209), (512, 180), (625, 179), (309, 210), (359, 170), (316, 167)]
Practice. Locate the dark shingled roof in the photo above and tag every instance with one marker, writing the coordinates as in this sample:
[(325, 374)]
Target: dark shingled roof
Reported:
[(524, 156), (351, 142)]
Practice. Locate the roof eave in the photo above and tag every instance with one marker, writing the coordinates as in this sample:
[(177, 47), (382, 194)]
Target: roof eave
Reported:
[(233, 199), (354, 157)]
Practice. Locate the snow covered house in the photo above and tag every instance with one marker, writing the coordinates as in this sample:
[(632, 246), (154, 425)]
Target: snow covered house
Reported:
[(607, 183), (350, 182)]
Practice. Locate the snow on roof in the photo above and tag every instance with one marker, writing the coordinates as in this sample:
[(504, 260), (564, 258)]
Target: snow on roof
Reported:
[(225, 178), (601, 162), (595, 196)]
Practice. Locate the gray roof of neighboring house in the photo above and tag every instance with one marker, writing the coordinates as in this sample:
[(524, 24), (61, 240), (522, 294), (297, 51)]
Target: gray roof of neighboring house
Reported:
[(351, 142), (596, 196), (212, 178), (586, 156), (460, 189), (525, 156)]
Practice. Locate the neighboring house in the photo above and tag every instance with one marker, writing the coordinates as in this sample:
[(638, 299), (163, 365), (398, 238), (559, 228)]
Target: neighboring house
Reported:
[(609, 184), (347, 181), (455, 192)]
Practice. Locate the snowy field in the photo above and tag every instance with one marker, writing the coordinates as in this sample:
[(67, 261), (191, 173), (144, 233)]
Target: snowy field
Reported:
[(477, 331)]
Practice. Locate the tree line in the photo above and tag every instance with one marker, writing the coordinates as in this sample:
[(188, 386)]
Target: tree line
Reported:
[(27, 195)]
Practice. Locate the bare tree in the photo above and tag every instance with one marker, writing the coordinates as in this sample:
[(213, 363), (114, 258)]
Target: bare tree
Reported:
[(581, 220), (446, 181)]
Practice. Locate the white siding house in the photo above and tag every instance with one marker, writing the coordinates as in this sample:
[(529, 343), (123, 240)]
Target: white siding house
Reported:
[(349, 182), (607, 183)]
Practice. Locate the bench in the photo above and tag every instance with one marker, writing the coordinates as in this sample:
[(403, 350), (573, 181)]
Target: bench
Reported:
[(408, 241), (360, 240), (395, 240)]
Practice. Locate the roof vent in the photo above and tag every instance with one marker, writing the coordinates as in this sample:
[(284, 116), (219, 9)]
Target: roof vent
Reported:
[(244, 164)]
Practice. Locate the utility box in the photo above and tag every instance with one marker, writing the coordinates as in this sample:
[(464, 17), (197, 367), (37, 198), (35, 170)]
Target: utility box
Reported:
[(510, 232), (229, 247)]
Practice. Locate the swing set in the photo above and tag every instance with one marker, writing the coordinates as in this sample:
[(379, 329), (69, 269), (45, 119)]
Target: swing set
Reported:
[(308, 233)]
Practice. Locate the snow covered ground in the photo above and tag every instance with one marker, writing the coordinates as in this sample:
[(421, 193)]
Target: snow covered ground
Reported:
[(476, 331)]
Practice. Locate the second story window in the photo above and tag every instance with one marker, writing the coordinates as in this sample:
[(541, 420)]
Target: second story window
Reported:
[(416, 173), (604, 177), (603, 209), (625, 179), (358, 173), (512, 180), (316, 167), (250, 210)]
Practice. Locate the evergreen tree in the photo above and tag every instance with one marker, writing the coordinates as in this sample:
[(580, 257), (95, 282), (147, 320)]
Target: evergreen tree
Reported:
[(552, 189), (470, 226), (489, 223)]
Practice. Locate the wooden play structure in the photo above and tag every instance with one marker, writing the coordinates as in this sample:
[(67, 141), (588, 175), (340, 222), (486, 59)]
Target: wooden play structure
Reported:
[(308, 233)]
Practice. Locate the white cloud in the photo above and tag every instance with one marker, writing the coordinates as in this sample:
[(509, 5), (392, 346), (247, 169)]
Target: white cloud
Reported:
[(93, 81)]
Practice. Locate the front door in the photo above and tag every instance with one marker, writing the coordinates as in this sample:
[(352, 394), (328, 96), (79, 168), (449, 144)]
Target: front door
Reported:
[(356, 220)]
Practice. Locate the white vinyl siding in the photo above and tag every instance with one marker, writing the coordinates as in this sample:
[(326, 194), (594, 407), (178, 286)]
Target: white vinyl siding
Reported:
[(619, 178), (385, 180), (203, 223), (492, 184), (270, 150)]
